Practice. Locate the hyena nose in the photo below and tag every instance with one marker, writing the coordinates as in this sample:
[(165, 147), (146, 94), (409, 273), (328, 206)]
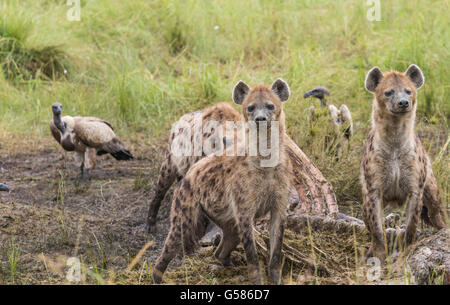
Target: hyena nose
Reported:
[(260, 118), (403, 104)]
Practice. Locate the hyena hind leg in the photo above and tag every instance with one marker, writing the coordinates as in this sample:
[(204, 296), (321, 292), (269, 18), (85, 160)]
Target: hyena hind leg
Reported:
[(167, 176), (433, 213), (171, 248), (181, 238)]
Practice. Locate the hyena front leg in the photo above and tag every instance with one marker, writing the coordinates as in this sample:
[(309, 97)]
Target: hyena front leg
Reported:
[(414, 207), (248, 240), (276, 243), (373, 217), (167, 175)]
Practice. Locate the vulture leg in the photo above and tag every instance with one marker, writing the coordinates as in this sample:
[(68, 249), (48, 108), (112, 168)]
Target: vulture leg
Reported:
[(79, 161), (88, 163), (84, 176)]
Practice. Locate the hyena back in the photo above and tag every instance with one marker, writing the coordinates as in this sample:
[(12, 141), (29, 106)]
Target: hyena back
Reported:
[(235, 190), (395, 166), (176, 164)]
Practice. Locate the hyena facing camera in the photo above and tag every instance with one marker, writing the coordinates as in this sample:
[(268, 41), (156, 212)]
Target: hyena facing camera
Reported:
[(395, 167), (235, 190)]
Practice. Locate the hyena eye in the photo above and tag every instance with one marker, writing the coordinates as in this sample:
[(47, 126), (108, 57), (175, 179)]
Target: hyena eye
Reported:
[(270, 106), (388, 93), (407, 91), (251, 108)]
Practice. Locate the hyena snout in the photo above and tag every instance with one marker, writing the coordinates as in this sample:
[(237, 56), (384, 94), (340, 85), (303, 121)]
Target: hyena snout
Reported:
[(261, 113), (403, 104), (260, 118)]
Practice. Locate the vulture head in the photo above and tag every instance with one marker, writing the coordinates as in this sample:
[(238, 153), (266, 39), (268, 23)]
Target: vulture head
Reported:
[(57, 109), (320, 93), (4, 188)]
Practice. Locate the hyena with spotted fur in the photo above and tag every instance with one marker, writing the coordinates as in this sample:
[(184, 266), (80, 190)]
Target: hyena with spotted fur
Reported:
[(235, 190), (395, 166), (176, 164)]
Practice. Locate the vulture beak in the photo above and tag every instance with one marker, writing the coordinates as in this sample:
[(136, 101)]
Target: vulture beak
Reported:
[(318, 92)]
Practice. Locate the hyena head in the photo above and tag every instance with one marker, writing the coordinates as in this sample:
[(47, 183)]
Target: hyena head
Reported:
[(261, 103), (395, 92)]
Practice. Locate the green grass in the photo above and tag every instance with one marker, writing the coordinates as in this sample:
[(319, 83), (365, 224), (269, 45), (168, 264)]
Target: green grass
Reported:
[(142, 64), (151, 61), (20, 59), (14, 257)]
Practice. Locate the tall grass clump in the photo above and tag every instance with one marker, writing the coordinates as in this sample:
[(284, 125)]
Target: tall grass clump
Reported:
[(13, 260), (21, 61)]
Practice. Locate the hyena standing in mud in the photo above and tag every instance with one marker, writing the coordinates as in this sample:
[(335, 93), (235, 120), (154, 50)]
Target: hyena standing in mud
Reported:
[(395, 167), (176, 163), (235, 190)]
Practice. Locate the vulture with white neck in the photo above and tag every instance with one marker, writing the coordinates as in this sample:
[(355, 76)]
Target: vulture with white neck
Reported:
[(87, 137)]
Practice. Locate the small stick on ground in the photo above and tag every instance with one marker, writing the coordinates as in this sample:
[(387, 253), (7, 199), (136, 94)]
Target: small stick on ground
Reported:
[(290, 254)]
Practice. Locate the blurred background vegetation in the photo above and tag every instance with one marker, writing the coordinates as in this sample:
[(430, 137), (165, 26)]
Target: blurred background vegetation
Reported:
[(141, 64)]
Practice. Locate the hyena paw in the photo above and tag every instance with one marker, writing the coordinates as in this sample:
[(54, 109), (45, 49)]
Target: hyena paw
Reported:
[(157, 278), (377, 253), (225, 261), (150, 227)]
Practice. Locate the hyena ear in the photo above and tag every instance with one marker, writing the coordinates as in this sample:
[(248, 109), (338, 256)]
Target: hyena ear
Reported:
[(373, 78), (415, 75), (281, 89), (240, 92)]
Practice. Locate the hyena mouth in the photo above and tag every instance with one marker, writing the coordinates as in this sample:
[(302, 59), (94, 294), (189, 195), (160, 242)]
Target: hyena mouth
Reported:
[(401, 112), (263, 125)]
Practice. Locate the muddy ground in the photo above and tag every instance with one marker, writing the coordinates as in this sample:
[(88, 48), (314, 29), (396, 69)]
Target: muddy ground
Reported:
[(49, 216)]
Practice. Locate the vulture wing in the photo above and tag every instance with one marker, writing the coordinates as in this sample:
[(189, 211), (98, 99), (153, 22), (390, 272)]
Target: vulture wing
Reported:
[(97, 133), (94, 119), (66, 139), (55, 132), (93, 132)]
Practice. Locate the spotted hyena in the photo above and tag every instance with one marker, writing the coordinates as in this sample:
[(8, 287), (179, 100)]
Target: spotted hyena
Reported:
[(395, 166), (177, 161), (235, 190)]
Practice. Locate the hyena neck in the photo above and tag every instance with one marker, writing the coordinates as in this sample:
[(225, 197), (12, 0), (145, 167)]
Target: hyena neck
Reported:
[(394, 131), (271, 153), (59, 123)]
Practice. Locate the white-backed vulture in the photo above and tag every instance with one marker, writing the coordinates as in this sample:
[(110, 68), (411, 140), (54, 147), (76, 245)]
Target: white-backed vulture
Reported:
[(4, 188), (341, 120), (87, 137)]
